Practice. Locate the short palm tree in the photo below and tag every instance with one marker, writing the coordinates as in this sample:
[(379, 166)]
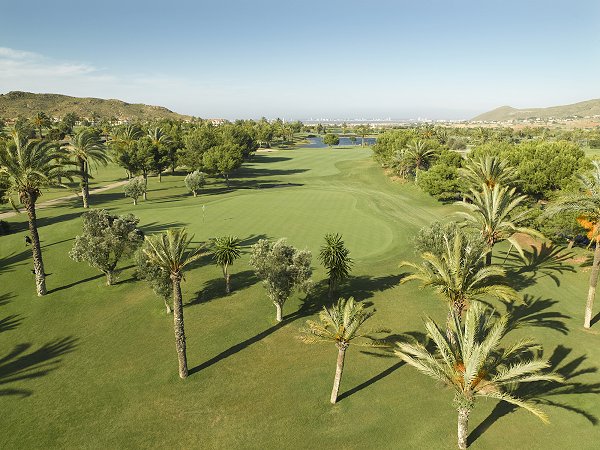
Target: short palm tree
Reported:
[(489, 170), (86, 147), (459, 274), (496, 213), (226, 250), (419, 155), (41, 121), (169, 252), (586, 203), (474, 364), (340, 324), (335, 257), (28, 166)]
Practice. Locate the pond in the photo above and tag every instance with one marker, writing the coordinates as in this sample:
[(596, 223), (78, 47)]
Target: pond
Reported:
[(317, 142)]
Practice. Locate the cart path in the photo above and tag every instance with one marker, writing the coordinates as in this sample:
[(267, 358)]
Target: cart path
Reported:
[(59, 200)]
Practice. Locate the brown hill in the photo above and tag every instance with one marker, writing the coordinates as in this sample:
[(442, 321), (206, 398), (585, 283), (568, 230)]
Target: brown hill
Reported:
[(27, 104), (588, 108)]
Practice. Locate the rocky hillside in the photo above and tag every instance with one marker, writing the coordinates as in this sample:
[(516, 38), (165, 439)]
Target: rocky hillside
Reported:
[(27, 104)]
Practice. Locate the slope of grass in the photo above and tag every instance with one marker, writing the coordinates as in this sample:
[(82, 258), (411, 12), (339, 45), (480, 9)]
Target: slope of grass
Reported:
[(112, 381)]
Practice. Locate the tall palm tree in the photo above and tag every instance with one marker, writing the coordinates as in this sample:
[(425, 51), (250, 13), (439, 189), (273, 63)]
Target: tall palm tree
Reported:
[(459, 274), (340, 324), (159, 139), (419, 154), (497, 212), (169, 252), (29, 166), (489, 170), (226, 250), (335, 257), (87, 147), (474, 364), (586, 203)]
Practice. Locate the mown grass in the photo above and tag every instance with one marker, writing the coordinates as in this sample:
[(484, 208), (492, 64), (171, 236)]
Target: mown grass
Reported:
[(114, 383)]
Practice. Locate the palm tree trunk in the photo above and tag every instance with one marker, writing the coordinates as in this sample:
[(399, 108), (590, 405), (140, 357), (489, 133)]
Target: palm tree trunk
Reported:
[(339, 368), (36, 249), (589, 306), (85, 190), (178, 325), (279, 309), (488, 258), (226, 276), (463, 427), (144, 196)]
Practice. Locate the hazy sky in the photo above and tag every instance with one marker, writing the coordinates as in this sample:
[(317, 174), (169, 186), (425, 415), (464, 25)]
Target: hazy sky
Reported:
[(302, 59)]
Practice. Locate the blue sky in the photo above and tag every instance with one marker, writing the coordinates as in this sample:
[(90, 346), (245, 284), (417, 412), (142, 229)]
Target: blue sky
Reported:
[(303, 59)]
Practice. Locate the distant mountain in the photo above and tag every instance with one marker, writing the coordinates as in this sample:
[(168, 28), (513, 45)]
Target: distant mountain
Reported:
[(504, 113), (27, 104)]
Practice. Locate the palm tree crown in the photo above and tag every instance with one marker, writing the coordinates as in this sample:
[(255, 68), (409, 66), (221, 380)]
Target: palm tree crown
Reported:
[(169, 251), (473, 363), (489, 170), (31, 165), (459, 274), (339, 324), (495, 213)]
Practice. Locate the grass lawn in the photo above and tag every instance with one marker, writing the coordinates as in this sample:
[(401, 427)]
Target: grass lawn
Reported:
[(91, 366)]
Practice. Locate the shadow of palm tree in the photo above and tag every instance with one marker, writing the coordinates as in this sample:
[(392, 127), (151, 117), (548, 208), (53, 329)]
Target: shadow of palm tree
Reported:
[(542, 392), (385, 349), (7, 263), (215, 288), (543, 261), (11, 321), (533, 311), (18, 365)]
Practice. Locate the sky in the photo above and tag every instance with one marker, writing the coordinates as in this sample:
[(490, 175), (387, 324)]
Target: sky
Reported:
[(436, 59)]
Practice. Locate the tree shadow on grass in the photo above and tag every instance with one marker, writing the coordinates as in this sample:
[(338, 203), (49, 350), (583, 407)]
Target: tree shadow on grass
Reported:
[(18, 365), (7, 263), (363, 287), (11, 321), (542, 392), (215, 288), (23, 225), (241, 346), (386, 350), (534, 312), (542, 261)]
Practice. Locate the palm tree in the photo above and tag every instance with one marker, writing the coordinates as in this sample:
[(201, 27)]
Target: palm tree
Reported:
[(226, 251), (40, 121), (87, 147), (473, 364), (340, 324), (459, 274), (418, 155), (29, 166), (489, 170), (497, 212), (159, 140), (335, 257), (169, 252), (587, 205)]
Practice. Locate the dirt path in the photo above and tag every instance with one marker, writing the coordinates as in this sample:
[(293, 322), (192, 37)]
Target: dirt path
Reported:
[(56, 201)]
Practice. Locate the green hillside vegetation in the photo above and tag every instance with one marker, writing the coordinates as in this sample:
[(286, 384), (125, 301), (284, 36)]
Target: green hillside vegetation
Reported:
[(504, 113), (27, 104)]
